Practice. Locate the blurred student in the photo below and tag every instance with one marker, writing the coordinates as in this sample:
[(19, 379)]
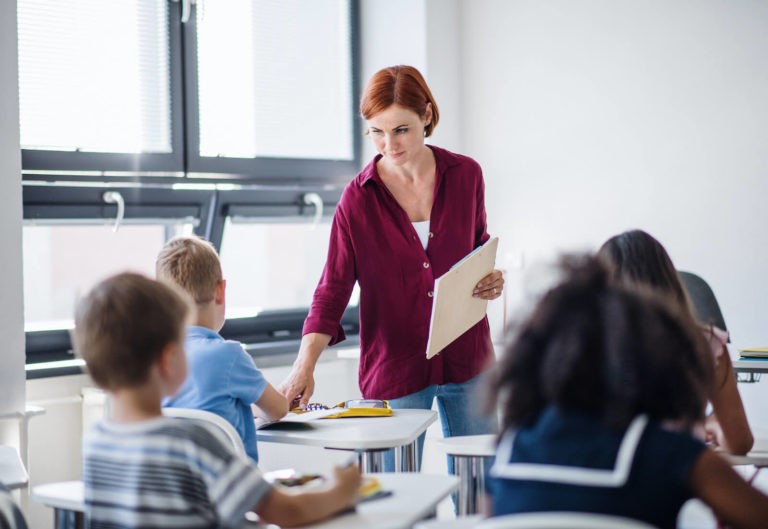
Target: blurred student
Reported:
[(223, 378), (143, 470), (636, 258), (584, 389)]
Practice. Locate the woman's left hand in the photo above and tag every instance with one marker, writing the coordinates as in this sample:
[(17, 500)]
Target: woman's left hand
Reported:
[(490, 286)]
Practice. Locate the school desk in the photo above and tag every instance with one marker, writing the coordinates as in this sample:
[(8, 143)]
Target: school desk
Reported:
[(470, 452), (370, 436), (414, 497)]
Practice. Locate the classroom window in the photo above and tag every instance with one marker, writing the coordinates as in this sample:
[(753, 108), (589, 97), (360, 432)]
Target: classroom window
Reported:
[(272, 266), (205, 90), (255, 61), (182, 105), (55, 277), (109, 64)]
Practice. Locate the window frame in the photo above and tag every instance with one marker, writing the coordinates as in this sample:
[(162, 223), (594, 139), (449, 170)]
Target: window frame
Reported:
[(74, 165), (184, 162), (65, 185), (268, 170), (268, 334)]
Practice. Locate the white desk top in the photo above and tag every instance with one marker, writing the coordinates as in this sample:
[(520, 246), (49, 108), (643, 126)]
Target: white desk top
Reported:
[(12, 471), (414, 497), (363, 433), (468, 445), (758, 459), (69, 495), (750, 366)]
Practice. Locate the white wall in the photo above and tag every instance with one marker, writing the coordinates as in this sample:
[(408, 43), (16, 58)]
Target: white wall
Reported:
[(424, 34), (593, 117), (11, 313)]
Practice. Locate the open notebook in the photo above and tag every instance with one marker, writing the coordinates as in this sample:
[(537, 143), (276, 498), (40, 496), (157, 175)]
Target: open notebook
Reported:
[(294, 420)]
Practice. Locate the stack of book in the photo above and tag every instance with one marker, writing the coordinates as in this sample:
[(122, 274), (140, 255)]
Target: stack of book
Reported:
[(754, 353)]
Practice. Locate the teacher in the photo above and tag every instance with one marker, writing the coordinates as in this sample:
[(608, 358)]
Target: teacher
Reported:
[(411, 214)]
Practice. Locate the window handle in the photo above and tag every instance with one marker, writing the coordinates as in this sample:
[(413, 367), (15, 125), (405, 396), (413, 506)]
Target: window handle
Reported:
[(113, 197), (186, 9), (313, 199)]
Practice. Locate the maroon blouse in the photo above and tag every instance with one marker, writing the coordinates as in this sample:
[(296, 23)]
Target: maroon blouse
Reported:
[(374, 243)]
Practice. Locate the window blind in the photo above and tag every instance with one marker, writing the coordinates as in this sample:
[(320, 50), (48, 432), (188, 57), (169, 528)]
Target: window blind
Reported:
[(275, 79), (94, 75)]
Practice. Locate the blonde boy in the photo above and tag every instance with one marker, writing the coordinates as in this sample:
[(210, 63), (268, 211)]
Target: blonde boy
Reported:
[(222, 377), (143, 470)]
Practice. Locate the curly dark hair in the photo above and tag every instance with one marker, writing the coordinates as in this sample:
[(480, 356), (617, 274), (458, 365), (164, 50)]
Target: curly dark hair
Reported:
[(597, 346)]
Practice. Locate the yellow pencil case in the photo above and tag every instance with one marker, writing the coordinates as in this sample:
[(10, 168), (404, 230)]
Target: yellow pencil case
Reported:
[(354, 408), (362, 408)]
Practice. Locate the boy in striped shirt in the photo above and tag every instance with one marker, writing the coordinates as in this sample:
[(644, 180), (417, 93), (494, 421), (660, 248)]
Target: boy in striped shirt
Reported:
[(143, 470)]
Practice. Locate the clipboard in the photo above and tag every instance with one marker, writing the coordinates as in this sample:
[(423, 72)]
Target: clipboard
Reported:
[(454, 310)]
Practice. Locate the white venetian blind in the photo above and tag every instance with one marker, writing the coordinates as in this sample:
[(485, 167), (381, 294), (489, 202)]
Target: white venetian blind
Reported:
[(274, 78), (94, 75)]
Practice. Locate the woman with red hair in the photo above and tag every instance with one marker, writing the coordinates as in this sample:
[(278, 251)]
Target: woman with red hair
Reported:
[(411, 214)]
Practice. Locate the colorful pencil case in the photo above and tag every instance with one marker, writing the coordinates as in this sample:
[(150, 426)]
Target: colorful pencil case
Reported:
[(353, 408)]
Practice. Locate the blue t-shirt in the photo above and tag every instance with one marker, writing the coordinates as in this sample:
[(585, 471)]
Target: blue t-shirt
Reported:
[(222, 379), (568, 461)]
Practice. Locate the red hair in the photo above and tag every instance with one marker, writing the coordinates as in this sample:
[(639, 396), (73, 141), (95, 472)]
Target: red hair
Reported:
[(399, 85)]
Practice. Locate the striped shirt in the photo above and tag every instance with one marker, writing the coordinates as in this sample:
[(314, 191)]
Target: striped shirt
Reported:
[(166, 472)]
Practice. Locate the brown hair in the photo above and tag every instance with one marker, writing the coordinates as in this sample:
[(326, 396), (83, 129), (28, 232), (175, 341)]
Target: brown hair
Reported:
[(123, 325), (635, 257), (399, 85), (191, 263)]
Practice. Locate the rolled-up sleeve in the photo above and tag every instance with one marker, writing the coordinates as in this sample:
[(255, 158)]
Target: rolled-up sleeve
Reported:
[(336, 282)]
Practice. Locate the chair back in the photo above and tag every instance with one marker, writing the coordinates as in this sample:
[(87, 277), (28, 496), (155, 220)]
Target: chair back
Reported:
[(11, 516), (211, 418), (703, 300), (561, 520), (12, 472)]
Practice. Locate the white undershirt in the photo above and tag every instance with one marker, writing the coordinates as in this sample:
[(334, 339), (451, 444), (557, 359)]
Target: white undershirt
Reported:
[(422, 229)]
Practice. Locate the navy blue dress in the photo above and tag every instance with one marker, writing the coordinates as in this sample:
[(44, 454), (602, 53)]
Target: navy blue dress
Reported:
[(570, 461)]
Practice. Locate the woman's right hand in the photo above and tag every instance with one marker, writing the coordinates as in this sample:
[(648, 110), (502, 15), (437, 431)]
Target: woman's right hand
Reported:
[(298, 386)]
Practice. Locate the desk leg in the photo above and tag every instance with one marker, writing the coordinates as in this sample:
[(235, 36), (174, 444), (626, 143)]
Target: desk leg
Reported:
[(407, 457), (471, 473), (66, 519), (373, 461)]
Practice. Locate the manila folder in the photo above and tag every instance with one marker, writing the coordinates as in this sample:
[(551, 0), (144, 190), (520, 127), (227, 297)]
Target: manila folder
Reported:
[(454, 309)]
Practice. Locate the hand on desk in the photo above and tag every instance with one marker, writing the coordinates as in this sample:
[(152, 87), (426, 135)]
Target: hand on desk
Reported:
[(298, 387)]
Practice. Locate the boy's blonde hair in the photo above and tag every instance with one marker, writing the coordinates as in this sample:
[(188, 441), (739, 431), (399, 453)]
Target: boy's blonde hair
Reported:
[(191, 263), (123, 325)]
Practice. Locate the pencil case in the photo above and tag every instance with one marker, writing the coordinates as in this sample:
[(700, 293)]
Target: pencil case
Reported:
[(354, 408)]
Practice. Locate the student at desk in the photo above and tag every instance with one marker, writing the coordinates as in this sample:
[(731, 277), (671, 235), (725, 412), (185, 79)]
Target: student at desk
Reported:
[(223, 378), (636, 258), (143, 470), (585, 390)]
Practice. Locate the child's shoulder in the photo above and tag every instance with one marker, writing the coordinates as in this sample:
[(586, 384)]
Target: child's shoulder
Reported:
[(667, 439), (157, 430), (204, 341)]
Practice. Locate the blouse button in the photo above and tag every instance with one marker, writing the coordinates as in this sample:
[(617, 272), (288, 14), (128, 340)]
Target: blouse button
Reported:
[(430, 294), (431, 234), (426, 264)]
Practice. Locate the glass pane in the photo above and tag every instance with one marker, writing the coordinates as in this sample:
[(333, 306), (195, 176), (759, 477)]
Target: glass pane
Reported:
[(272, 265), (61, 263), (94, 75), (274, 78)]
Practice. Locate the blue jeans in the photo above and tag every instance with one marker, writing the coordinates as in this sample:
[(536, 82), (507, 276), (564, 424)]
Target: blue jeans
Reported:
[(460, 413)]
